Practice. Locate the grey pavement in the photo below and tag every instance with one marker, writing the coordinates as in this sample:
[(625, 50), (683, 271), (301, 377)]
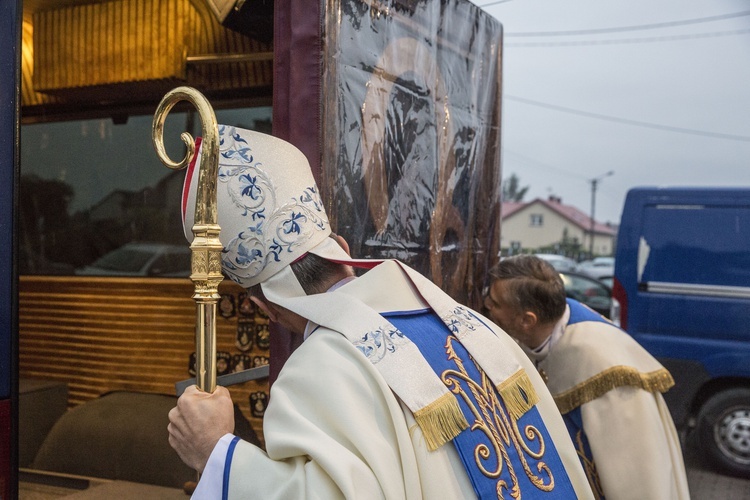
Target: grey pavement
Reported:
[(706, 484)]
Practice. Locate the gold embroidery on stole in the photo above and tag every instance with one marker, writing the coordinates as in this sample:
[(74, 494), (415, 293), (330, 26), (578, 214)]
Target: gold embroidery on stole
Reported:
[(501, 430)]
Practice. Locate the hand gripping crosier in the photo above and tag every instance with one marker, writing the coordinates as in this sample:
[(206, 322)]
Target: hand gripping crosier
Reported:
[(205, 268)]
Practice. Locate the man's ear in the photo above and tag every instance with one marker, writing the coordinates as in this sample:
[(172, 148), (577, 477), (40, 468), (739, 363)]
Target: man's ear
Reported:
[(342, 243), (529, 319), (267, 308)]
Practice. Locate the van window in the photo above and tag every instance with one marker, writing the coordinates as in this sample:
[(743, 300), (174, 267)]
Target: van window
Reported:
[(696, 245)]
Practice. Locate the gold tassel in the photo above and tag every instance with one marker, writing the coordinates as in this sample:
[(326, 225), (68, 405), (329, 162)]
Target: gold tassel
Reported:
[(617, 376), (518, 394), (441, 421)]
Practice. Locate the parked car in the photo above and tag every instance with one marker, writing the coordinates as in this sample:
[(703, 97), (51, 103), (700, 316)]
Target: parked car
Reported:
[(588, 291), (559, 262), (598, 267), (142, 259), (682, 276)]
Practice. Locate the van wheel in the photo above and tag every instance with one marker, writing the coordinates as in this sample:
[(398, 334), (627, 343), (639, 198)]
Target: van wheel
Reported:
[(724, 431)]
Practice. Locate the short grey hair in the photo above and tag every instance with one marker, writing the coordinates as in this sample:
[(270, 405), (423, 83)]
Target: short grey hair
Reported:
[(314, 273)]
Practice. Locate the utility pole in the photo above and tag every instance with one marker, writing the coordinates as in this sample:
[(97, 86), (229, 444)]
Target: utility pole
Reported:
[(594, 183)]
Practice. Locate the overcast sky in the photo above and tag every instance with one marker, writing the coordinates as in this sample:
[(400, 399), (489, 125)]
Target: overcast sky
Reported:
[(657, 91)]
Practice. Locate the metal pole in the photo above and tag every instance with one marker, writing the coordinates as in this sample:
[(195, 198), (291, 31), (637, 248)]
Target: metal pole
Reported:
[(205, 265), (594, 183), (593, 204)]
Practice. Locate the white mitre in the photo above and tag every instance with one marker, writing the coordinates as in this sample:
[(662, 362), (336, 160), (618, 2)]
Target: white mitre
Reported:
[(269, 207)]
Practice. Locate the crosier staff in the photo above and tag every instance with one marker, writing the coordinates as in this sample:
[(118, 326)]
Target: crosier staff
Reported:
[(205, 262)]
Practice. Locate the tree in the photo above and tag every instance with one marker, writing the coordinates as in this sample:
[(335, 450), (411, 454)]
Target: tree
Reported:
[(511, 190)]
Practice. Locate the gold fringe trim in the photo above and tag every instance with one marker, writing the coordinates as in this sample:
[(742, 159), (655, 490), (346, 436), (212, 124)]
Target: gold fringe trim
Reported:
[(518, 394), (617, 376), (441, 421)]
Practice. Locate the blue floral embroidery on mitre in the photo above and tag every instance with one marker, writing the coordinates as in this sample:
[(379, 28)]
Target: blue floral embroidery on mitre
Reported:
[(272, 231), (292, 225), (250, 186)]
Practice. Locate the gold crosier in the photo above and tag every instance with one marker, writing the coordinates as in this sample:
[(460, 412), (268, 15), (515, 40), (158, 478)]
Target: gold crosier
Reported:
[(205, 262)]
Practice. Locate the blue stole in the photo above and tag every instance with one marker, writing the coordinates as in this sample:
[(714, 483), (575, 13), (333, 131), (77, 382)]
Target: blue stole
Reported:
[(503, 458), (580, 313)]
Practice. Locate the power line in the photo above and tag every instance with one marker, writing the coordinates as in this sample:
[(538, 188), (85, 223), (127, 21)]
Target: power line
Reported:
[(668, 128), (598, 31), (523, 159), (631, 40), (496, 2)]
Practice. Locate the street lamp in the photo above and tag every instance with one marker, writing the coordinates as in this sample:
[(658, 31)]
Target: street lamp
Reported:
[(594, 182)]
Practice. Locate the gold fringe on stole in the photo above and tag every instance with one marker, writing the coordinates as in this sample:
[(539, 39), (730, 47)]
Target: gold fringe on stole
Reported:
[(441, 421), (518, 394), (617, 376)]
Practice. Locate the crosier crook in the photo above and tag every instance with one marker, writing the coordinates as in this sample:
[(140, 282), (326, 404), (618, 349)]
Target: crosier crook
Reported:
[(205, 265)]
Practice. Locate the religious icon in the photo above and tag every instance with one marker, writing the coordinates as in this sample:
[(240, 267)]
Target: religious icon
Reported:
[(241, 362), (246, 306), (262, 336), (244, 339), (405, 80), (258, 403), (226, 306), (260, 361), (223, 362)]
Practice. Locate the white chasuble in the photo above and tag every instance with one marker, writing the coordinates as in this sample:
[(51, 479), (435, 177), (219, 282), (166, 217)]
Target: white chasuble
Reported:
[(357, 411)]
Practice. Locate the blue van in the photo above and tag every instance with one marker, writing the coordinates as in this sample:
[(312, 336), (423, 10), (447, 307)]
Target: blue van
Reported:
[(682, 278)]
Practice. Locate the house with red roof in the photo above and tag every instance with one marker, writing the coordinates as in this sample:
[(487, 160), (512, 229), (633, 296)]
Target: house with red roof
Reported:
[(542, 225)]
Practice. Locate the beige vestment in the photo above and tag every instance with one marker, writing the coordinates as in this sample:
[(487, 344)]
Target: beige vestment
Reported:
[(617, 385)]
